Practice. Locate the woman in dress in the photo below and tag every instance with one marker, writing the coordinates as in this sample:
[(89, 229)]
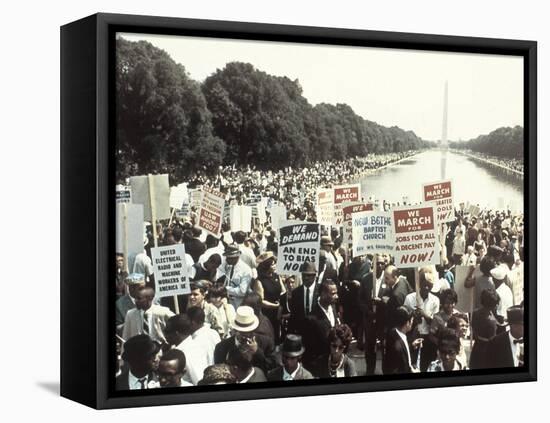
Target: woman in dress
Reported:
[(336, 363), (484, 328), (269, 287)]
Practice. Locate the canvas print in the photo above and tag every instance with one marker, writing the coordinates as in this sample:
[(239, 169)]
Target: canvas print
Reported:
[(290, 212)]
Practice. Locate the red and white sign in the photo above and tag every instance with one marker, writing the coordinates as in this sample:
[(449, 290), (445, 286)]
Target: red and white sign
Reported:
[(348, 211), (415, 229), (344, 194), (211, 211), (442, 194)]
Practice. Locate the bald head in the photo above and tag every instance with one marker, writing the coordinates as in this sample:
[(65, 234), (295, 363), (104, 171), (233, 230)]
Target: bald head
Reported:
[(391, 275)]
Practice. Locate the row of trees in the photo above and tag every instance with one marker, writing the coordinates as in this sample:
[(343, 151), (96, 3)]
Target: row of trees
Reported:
[(502, 142), (167, 122)]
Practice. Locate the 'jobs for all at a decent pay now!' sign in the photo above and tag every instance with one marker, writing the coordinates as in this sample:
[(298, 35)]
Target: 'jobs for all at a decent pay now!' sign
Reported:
[(415, 230)]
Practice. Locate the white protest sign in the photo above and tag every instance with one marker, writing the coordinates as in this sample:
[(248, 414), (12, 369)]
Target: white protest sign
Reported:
[(253, 198), (123, 194), (211, 211), (261, 213), (195, 197), (442, 194), (179, 195), (372, 233), (278, 216), (516, 278), (465, 295), (348, 210), (344, 194), (474, 210), (130, 231), (170, 270), (416, 235), (240, 218), (325, 206), (299, 242), (161, 198)]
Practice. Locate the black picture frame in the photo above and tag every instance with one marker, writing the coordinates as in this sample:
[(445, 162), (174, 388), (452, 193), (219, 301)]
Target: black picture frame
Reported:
[(87, 180)]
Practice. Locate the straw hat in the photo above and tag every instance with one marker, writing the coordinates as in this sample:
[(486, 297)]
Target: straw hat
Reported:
[(245, 320)]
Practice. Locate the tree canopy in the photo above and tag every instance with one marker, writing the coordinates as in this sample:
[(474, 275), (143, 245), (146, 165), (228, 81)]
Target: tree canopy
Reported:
[(502, 142), (169, 123)]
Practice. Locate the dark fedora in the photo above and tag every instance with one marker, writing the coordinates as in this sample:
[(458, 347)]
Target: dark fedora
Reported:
[(140, 346), (292, 346), (232, 250), (308, 268), (514, 315)]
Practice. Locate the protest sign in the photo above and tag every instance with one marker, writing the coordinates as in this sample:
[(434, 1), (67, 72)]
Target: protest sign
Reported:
[(240, 218), (253, 199), (170, 270), (325, 206), (153, 192), (442, 194), (372, 233), (129, 231), (348, 209), (299, 242), (278, 216), (474, 210), (262, 217), (211, 211), (178, 195), (516, 279), (344, 194), (465, 295), (123, 194), (195, 197), (416, 235)]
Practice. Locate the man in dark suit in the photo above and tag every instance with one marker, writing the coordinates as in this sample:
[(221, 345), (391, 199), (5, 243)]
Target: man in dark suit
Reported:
[(399, 288), (303, 299), (292, 368), (244, 327), (140, 353), (323, 317), (506, 349), (397, 358), (373, 309), (193, 245)]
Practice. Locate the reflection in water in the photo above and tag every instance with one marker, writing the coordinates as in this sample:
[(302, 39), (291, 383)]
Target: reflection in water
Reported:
[(473, 181)]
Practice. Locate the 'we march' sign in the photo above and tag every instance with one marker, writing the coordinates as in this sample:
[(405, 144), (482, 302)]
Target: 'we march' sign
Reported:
[(415, 230)]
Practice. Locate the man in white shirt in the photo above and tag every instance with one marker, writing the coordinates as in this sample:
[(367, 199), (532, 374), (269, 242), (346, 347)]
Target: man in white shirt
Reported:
[(238, 275), (178, 333), (172, 369), (424, 305), (203, 335), (499, 275)]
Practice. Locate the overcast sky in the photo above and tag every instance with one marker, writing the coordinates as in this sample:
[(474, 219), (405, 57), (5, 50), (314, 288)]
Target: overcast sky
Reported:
[(387, 86)]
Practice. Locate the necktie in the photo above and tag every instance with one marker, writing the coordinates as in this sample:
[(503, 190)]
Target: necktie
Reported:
[(518, 341), (142, 382), (145, 324), (307, 300)]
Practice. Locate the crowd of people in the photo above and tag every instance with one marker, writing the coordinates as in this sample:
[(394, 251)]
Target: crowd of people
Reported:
[(509, 163), (243, 323)]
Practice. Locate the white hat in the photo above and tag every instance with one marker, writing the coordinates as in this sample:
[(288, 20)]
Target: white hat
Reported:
[(500, 272), (245, 320)]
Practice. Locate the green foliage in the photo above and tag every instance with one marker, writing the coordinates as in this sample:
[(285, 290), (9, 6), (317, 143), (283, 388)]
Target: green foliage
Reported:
[(166, 122), (502, 142), (163, 123)]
